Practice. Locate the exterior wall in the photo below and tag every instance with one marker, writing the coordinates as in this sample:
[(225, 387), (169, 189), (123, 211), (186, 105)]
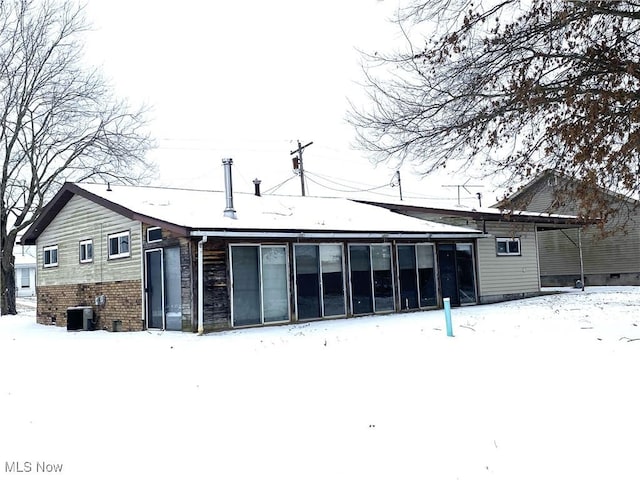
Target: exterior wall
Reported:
[(120, 311), (510, 276), (217, 294), (610, 260), (72, 283)]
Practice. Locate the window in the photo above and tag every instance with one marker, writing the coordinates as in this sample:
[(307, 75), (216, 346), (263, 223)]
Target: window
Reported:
[(154, 234), (86, 251), (508, 246), (25, 278), (119, 245), (50, 256)]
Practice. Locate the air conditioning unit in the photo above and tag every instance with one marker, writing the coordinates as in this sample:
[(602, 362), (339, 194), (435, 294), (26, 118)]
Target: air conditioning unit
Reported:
[(80, 318)]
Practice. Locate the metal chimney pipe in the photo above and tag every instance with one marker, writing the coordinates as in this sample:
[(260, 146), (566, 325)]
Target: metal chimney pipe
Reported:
[(256, 184), (229, 211)]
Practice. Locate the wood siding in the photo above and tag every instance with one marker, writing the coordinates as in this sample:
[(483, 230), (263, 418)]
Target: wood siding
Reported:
[(81, 219)]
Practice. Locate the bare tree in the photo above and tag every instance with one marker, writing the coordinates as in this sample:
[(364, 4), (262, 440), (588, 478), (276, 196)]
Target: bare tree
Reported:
[(59, 120), (514, 88)]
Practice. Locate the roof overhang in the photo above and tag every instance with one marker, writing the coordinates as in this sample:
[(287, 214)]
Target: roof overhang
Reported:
[(333, 235)]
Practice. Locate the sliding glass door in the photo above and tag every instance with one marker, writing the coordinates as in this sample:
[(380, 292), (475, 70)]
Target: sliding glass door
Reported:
[(371, 278), (319, 281), (416, 276), (259, 284)]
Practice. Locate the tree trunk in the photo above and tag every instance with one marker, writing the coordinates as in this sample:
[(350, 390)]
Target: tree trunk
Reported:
[(8, 297)]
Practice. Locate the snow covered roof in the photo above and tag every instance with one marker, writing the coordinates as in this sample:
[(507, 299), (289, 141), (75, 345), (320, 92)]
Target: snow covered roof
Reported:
[(479, 213), (203, 211)]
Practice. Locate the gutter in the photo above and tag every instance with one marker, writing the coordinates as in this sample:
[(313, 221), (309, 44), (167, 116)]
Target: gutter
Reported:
[(347, 235)]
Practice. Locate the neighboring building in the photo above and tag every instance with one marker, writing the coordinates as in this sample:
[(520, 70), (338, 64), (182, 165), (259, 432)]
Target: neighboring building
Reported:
[(507, 258), (172, 259), (25, 269), (613, 259)]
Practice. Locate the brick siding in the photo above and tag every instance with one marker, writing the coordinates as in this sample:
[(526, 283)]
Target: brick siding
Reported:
[(123, 303)]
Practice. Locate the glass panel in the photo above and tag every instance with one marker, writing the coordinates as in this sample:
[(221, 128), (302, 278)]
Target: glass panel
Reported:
[(466, 279), (360, 265), (54, 255), (447, 268), (113, 246), (274, 284), (502, 246), (24, 278), (154, 290), (124, 244), (408, 280), (332, 280), (426, 276), (246, 285), (307, 281), (382, 277), (172, 291), (514, 246)]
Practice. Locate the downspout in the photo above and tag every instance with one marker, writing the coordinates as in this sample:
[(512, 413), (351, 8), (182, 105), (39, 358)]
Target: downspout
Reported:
[(201, 286)]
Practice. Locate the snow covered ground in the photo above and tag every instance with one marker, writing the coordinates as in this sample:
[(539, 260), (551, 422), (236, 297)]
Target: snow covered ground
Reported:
[(532, 389)]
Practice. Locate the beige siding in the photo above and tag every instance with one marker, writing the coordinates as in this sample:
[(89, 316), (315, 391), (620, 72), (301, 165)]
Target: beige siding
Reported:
[(81, 219), (499, 275), (559, 254)]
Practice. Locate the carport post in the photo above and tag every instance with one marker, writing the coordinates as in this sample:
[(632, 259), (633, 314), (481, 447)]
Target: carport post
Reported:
[(581, 262), (447, 315)]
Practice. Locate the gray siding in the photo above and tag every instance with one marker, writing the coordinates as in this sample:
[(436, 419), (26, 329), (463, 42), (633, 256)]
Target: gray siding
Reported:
[(504, 275), (81, 219), (610, 256)]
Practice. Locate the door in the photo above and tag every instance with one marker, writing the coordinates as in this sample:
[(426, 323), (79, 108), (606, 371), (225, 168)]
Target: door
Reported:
[(155, 288), (448, 272)]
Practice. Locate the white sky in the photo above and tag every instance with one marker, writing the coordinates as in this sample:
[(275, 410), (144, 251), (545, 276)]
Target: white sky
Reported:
[(246, 80)]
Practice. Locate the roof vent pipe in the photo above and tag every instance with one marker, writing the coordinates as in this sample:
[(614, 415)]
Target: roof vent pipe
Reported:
[(256, 184), (229, 211)]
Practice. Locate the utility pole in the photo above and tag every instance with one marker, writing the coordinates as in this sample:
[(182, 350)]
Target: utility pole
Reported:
[(297, 163), (399, 183)]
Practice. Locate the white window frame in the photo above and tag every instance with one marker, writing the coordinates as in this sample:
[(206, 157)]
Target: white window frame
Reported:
[(51, 248), (150, 229), (507, 241), (113, 256), (85, 243)]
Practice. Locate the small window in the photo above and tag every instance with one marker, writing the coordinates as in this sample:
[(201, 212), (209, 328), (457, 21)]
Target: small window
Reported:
[(86, 251), (154, 234), (508, 246), (119, 245), (50, 255)]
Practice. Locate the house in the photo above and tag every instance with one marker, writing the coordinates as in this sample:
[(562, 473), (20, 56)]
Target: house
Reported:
[(507, 255), (25, 271), (159, 258), (613, 259)]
